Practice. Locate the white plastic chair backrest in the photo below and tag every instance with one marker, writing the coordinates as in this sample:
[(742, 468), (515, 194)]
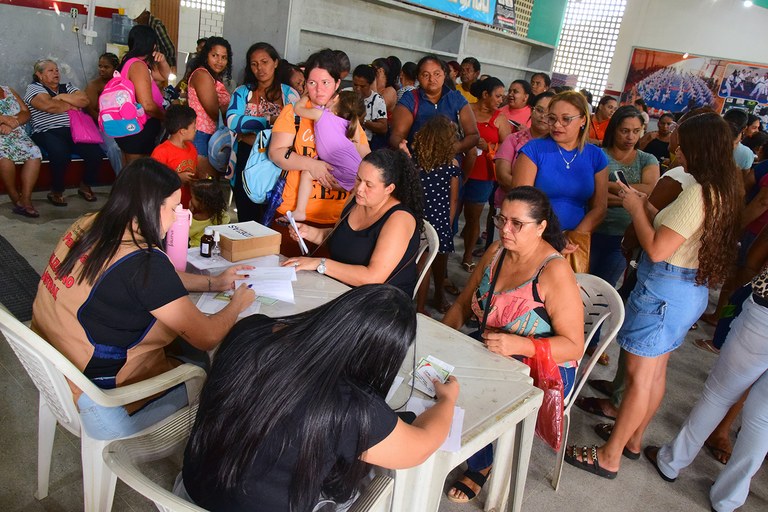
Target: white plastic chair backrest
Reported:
[(43, 363), (377, 496), (429, 240), (604, 309)]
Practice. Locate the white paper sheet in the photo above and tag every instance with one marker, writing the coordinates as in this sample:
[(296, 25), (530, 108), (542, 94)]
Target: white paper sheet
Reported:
[(453, 442), (280, 290), (200, 263), (211, 303), (270, 274)]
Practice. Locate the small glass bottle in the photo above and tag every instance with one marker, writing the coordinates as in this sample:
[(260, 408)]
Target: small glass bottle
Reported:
[(206, 243), (216, 250)]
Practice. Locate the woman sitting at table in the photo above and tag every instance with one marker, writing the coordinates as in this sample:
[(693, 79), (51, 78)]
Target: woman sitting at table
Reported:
[(110, 299), (306, 396), (535, 295), (377, 237)]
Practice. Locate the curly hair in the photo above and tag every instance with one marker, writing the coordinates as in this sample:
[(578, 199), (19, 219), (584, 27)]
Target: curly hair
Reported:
[(707, 145), (433, 143), (398, 168), (209, 195), (201, 61)]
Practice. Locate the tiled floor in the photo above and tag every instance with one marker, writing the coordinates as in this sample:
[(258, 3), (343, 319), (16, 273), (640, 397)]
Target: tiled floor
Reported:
[(637, 488)]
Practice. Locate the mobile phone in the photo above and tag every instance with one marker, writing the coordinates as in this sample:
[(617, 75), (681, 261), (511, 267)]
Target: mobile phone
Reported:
[(620, 177)]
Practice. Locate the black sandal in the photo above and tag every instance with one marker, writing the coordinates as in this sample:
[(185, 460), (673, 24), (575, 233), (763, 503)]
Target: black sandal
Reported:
[(591, 405), (590, 467), (604, 430), (56, 199), (477, 478), (651, 453)]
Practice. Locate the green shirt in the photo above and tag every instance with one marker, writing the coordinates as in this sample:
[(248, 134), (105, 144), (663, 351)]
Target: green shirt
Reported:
[(617, 218)]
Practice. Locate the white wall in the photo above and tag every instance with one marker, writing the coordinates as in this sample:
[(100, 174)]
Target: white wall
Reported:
[(712, 28)]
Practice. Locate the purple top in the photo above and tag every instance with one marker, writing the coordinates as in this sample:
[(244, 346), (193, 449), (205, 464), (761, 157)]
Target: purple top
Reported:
[(334, 147)]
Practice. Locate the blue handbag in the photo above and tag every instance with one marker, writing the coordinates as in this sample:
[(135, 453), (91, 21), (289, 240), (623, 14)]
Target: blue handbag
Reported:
[(260, 173)]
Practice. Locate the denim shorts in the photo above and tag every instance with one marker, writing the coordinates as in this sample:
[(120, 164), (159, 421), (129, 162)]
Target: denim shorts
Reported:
[(477, 191), (662, 307), (201, 142)]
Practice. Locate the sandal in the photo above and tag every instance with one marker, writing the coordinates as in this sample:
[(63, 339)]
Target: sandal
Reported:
[(651, 453), (601, 386), (706, 345), (441, 306), (468, 266), (477, 253), (450, 287), (56, 199), (87, 195), (603, 431), (720, 455), (590, 467), (591, 405), (26, 211), (477, 478)]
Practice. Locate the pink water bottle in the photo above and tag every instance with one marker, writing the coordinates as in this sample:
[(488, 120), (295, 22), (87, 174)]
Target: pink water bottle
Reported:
[(177, 239)]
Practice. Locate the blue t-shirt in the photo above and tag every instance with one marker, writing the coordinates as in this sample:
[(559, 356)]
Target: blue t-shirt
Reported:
[(568, 189), (449, 105), (743, 156)]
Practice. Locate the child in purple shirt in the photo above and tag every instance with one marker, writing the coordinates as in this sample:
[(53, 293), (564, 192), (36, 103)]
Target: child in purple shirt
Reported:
[(336, 131)]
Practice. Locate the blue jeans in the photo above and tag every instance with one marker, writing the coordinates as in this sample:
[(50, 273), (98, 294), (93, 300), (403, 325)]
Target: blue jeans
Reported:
[(605, 258), (484, 457), (113, 152), (743, 362), (105, 423), (59, 145)]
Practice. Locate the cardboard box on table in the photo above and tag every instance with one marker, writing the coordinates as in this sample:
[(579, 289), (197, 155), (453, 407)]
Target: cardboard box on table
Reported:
[(245, 240)]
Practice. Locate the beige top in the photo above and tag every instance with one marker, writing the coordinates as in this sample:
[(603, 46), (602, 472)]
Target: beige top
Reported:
[(685, 216)]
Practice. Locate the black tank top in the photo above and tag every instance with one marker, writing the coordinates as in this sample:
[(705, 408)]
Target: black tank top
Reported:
[(346, 245), (658, 148)]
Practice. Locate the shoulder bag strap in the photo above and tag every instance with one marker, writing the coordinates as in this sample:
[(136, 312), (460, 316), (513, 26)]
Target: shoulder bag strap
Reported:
[(495, 278)]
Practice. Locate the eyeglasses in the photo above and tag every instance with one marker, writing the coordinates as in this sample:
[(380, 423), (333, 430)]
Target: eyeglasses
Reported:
[(564, 121), (501, 221)]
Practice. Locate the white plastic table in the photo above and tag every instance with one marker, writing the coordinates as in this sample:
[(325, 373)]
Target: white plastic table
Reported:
[(500, 404)]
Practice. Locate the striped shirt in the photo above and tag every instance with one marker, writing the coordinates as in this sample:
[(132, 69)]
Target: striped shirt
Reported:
[(43, 121)]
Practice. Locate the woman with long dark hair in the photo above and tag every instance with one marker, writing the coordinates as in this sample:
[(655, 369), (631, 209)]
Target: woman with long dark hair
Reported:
[(145, 66), (687, 246), (305, 395), (110, 300), (599, 121), (377, 237), (535, 296), (208, 95), (519, 104)]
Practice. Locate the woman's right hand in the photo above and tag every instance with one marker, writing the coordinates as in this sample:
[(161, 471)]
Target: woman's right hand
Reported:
[(321, 171), (242, 298), (304, 231), (448, 391)]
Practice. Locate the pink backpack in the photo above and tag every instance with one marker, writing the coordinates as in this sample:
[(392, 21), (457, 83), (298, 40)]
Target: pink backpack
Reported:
[(120, 114)]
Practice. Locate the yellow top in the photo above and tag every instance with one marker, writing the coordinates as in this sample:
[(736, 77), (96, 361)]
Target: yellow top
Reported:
[(685, 216), (198, 226), (466, 94)]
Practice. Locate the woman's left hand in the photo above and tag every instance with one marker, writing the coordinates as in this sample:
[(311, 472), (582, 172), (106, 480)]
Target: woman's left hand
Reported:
[(302, 263), (502, 343), (226, 280)]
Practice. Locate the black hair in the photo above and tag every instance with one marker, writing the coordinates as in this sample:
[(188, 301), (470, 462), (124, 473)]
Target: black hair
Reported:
[(587, 95), (201, 40), (210, 196), (751, 118), (737, 120), (527, 88), (433, 58), (546, 94), (327, 60), (667, 114), (201, 61), (395, 65), (622, 113), (343, 58), (312, 375), (605, 99), (397, 167), (563, 88), (382, 63), (642, 104), (112, 58), (409, 70), (471, 60), (274, 91), (540, 209), (756, 141), (133, 205), (544, 76), (366, 72), (141, 45), (178, 117), (285, 71), (486, 85)]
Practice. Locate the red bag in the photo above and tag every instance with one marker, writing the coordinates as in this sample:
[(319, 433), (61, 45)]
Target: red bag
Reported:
[(546, 376)]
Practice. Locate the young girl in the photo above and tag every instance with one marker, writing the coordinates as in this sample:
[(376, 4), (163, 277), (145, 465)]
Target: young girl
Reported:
[(439, 173), (209, 208), (335, 129)]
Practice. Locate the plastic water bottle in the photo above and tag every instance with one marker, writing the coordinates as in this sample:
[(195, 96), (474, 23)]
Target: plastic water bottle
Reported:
[(177, 239)]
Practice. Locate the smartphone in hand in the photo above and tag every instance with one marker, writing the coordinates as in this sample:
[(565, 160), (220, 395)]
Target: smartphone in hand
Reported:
[(621, 177)]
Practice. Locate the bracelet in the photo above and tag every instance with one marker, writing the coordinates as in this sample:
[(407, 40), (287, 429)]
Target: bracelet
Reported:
[(209, 283)]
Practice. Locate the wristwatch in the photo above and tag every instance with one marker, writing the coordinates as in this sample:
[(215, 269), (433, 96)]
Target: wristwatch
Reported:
[(321, 266)]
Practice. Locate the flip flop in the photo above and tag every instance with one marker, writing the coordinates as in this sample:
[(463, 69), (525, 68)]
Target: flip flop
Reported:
[(705, 345), (88, 196), (590, 467), (468, 266), (651, 452), (601, 386), (603, 431), (591, 405), (56, 199), (477, 478), (26, 211), (720, 455)]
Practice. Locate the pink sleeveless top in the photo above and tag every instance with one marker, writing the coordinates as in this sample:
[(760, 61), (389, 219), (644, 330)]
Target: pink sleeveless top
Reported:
[(157, 96), (204, 122)]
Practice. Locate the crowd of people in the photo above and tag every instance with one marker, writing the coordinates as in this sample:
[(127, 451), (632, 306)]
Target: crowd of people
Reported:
[(569, 189)]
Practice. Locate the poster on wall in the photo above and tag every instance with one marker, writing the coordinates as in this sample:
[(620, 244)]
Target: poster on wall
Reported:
[(676, 82), (476, 10), (505, 15)]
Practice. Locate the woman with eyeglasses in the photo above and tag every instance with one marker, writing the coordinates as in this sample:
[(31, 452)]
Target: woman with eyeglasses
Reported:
[(571, 172), (535, 295)]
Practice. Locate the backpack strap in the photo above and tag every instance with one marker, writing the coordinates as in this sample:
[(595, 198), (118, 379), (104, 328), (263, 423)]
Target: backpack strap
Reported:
[(415, 93)]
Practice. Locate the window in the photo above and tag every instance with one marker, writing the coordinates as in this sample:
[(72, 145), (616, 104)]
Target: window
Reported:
[(205, 5), (588, 41)]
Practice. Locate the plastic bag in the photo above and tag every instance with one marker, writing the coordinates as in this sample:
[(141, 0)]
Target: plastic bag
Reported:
[(546, 376)]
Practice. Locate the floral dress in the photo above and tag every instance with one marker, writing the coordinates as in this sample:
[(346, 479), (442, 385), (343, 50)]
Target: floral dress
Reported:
[(16, 146)]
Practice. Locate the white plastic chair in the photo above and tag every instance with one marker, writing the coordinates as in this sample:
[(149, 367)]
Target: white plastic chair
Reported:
[(429, 240), (49, 370), (602, 307), (124, 456)]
